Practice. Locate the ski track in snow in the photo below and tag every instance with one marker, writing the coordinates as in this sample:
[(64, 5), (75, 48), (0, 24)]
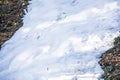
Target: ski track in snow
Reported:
[(61, 40)]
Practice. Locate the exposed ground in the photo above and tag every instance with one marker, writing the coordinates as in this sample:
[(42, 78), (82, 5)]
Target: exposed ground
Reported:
[(110, 62), (11, 14)]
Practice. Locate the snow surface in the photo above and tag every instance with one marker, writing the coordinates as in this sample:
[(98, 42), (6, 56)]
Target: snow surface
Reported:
[(61, 40)]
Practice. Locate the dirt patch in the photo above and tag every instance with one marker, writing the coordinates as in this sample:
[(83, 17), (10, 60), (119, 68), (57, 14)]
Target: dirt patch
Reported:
[(11, 14), (110, 62)]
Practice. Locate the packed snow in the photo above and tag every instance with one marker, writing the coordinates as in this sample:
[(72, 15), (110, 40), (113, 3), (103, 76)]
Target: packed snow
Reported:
[(61, 40)]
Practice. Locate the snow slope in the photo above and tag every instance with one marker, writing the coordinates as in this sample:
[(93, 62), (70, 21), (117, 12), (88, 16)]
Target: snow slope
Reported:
[(61, 40)]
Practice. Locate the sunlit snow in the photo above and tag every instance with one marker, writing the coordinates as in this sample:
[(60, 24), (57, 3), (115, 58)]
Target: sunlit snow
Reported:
[(61, 40)]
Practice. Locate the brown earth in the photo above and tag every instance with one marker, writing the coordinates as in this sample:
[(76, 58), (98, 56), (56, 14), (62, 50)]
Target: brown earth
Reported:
[(11, 14), (110, 62)]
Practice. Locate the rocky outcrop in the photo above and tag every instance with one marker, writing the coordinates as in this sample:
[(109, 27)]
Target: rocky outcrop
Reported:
[(110, 62), (11, 14)]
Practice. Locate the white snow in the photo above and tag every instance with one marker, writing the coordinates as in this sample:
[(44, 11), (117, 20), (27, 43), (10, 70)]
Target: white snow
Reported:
[(61, 40)]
